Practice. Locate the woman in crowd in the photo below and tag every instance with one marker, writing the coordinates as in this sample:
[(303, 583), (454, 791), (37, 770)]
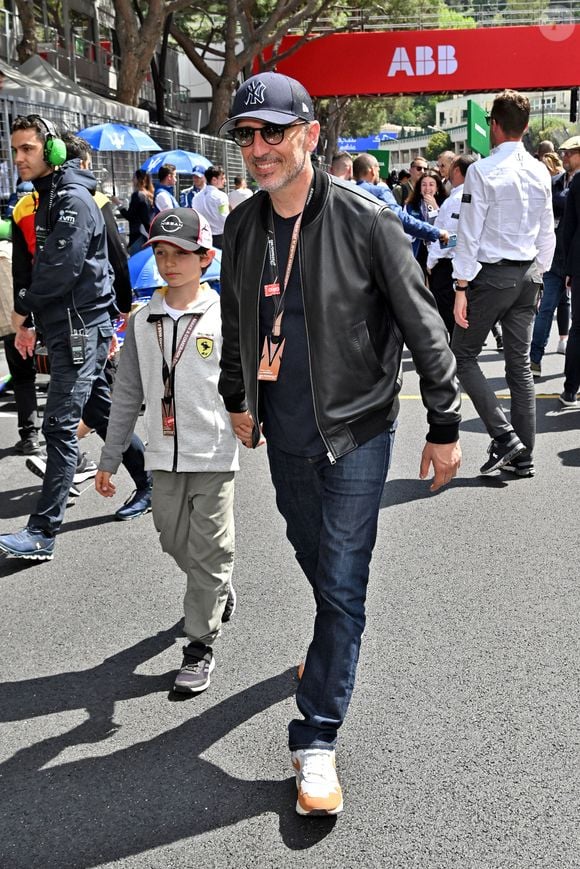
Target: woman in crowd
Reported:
[(140, 210), (423, 203)]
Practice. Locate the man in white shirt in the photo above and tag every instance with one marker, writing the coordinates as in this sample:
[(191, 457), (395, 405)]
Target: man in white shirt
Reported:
[(505, 242), (440, 254), (213, 203), (240, 192), (187, 196)]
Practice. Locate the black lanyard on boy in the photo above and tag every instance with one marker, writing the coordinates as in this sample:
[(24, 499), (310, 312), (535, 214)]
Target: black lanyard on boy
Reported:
[(166, 371), (167, 406)]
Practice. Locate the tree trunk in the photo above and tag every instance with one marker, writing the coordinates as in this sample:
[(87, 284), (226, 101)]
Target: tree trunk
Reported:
[(158, 68), (28, 45), (137, 43), (220, 105)]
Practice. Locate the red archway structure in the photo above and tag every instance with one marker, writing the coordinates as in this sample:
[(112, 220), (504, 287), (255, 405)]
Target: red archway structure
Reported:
[(437, 61)]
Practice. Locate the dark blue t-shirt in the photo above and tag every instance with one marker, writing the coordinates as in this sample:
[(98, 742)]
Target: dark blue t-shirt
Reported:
[(286, 405)]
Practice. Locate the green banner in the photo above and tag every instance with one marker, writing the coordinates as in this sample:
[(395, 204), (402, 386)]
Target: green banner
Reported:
[(383, 161), (477, 129)]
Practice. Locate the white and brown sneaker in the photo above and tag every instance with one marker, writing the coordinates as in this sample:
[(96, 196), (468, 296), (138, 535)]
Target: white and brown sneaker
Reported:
[(319, 791)]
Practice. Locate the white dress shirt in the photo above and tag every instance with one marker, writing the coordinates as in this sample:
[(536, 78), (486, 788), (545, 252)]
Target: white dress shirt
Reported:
[(506, 212), (213, 204), (239, 195), (447, 218)]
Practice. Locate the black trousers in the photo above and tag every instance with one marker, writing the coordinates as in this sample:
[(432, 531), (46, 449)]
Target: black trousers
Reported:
[(441, 285), (23, 381)]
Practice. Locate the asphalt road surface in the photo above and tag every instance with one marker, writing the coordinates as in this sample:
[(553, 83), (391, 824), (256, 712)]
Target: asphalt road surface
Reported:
[(461, 747)]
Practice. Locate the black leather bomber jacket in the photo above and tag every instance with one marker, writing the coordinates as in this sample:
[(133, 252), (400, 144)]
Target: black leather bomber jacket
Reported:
[(363, 298)]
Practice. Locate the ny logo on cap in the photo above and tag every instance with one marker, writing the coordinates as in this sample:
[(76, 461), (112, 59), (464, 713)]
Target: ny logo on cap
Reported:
[(256, 92)]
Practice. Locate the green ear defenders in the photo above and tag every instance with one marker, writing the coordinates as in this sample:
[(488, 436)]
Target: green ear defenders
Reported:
[(54, 147)]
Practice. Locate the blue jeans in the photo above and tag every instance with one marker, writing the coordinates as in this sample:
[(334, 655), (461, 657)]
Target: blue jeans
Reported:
[(68, 391), (331, 514), (554, 294)]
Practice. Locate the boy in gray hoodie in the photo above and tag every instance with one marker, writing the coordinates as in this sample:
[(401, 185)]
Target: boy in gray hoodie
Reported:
[(170, 361)]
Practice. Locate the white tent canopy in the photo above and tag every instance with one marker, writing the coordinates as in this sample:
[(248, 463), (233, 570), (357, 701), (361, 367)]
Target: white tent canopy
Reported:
[(43, 73), (36, 82)]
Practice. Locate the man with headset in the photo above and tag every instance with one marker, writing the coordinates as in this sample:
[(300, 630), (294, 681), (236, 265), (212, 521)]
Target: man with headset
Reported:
[(69, 297)]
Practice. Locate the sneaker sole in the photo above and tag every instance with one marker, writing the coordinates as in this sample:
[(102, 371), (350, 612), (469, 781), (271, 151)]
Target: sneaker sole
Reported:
[(567, 403), (39, 472), (227, 616), (37, 556), (504, 460), (84, 476), (200, 688), (318, 813), (134, 516), (519, 472)]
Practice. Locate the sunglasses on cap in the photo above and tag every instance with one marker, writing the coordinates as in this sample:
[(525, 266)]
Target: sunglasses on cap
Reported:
[(272, 134)]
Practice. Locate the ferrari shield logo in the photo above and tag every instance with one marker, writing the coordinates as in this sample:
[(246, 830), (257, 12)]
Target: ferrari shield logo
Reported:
[(204, 346)]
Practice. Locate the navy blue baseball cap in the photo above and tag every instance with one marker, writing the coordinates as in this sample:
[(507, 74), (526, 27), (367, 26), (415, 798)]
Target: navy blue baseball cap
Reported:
[(270, 97)]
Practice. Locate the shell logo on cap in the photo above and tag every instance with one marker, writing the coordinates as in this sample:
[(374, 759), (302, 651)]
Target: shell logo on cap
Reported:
[(171, 223)]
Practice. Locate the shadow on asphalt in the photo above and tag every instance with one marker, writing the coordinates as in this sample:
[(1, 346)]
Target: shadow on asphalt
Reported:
[(551, 417), (82, 813), (19, 502), (404, 491), (570, 458)]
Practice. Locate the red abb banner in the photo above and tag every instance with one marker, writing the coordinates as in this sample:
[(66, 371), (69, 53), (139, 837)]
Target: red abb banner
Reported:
[(437, 61)]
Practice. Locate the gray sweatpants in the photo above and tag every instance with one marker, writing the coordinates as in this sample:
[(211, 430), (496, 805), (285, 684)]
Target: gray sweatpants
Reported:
[(508, 293), (194, 515)]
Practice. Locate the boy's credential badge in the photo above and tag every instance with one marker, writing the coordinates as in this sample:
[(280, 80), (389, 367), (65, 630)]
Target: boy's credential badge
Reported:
[(204, 346)]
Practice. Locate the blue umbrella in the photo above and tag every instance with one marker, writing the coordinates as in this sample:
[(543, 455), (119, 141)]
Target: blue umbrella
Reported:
[(184, 161), (143, 270), (145, 275), (118, 137)]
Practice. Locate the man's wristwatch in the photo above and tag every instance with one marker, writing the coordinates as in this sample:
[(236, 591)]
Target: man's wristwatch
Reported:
[(460, 288)]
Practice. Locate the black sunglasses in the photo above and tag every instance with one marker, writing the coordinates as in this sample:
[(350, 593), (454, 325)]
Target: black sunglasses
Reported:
[(272, 134)]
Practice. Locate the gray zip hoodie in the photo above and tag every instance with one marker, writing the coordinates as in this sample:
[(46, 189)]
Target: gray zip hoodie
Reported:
[(203, 440)]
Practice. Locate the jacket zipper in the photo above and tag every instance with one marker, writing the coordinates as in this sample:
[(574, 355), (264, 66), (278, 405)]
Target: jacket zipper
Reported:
[(173, 348), (329, 454), (258, 348)]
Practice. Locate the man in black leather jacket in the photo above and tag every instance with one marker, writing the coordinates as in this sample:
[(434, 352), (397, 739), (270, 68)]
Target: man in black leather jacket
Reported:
[(319, 277)]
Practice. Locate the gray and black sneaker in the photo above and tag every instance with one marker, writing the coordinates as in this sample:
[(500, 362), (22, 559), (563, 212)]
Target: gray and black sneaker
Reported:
[(501, 454), (521, 466), (194, 675), (230, 606), (85, 469)]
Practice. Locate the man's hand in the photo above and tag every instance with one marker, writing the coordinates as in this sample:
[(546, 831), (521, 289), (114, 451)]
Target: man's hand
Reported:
[(444, 237), (243, 426), (104, 484), (446, 461), (17, 320), (113, 346), (25, 340), (460, 309)]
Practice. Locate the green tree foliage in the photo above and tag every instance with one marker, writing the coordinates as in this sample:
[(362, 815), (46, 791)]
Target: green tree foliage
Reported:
[(551, 128), (438, 142)]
